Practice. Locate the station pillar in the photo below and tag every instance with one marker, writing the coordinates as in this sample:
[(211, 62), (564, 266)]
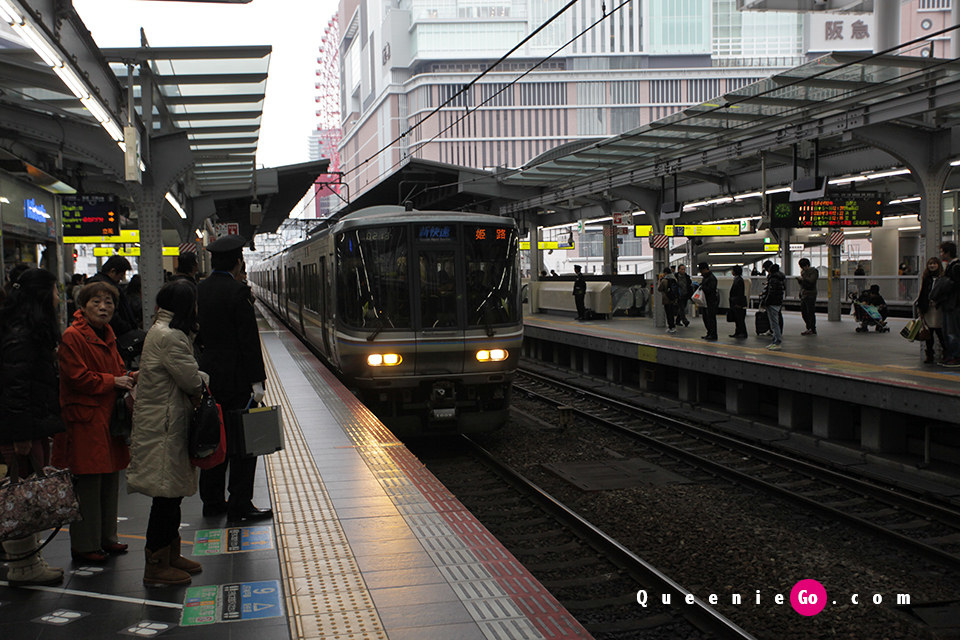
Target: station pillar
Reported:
[(887, 16), (610, 248), (534, 292), (661, 258), (955, 34), (834, 309)]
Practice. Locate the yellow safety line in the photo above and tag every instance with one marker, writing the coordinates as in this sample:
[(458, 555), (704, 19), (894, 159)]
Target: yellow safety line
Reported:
[(293, 469), (764, 350)]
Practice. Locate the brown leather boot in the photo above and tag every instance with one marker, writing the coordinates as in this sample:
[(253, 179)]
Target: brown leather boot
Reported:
[(157, 571), (177, 561)]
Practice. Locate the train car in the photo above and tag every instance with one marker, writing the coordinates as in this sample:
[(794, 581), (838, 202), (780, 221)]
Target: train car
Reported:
[(418, 312)]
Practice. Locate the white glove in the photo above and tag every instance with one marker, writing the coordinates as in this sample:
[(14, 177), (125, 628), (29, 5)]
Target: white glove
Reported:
[(257, 392)]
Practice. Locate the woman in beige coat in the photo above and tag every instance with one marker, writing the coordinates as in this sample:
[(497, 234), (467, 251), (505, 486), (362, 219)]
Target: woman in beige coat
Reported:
[(169, 388)]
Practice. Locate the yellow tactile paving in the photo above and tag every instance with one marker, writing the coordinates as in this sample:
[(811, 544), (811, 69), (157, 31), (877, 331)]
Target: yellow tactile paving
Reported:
[(326, 596)]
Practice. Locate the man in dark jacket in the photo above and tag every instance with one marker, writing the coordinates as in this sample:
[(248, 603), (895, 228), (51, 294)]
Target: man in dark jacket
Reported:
[(738, 304), (808, 296), (686, 290), (113, 272), (187, 267), (231, 355), (709, 286), (949, 303), (579, 292), (772, 299)]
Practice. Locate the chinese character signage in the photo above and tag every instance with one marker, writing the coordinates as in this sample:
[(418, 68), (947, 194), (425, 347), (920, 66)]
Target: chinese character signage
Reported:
[(90, 215), (841, 32)]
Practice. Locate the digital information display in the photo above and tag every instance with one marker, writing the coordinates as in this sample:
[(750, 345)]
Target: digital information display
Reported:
[(689, 230), (840, 211), (90, 215), (490, 233)]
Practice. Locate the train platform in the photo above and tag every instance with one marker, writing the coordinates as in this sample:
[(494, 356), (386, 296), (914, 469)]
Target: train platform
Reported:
[(364, 543), (866, 390)]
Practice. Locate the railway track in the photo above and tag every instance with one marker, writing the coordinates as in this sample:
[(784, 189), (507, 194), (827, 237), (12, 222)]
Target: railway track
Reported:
[(910, 521), (591, 574)]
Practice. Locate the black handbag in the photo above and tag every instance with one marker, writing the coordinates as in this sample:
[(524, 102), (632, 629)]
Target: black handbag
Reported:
[(121, 420), (203, 438)]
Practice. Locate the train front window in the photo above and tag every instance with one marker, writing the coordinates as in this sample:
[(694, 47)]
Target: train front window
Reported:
[(438, 289), (492, 278), (372, 278)]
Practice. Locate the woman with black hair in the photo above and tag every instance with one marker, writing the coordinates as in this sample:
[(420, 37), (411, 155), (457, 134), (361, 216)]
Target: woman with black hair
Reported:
[(169, 388), (29, 399)]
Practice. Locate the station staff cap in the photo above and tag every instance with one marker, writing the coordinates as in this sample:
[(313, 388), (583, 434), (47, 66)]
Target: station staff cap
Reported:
[(227, 244)]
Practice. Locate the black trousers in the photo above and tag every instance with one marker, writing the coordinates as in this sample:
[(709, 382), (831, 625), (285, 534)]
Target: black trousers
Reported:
[(739, 320), (213, 483), (808, 309), (164, 523), (671, 310), (710, 321), (581, 308), (681, 309)]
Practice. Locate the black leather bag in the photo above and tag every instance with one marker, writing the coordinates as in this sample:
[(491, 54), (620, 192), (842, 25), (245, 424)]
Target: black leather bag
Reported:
[(206, 427), (121, 420)]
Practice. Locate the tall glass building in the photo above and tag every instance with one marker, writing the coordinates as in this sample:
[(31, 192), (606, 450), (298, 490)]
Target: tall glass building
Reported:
[(601, 68)]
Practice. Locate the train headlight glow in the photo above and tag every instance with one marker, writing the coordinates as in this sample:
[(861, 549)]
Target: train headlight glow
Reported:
[(384, 359), (492, 355)]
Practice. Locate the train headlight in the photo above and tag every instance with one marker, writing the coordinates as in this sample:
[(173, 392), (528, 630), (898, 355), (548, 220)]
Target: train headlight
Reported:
[(492, 355), (384, 359)]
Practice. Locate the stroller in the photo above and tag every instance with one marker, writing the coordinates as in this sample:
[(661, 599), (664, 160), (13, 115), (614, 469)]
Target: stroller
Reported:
[(869, 314)]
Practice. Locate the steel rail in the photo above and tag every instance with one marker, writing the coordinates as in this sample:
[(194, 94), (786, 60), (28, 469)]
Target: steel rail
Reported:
[(699, 613), (926, 510)]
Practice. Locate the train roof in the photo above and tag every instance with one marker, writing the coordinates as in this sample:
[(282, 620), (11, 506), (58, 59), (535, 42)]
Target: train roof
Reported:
[(396, 214)]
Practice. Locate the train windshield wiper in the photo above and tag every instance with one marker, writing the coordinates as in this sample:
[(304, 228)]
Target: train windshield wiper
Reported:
[(481, 310), (382, 321)]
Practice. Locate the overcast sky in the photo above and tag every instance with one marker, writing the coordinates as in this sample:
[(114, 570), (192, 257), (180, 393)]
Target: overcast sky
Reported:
[(293, 27)]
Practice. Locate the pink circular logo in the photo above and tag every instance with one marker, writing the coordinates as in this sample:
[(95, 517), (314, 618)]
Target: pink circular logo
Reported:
[(808, 597)]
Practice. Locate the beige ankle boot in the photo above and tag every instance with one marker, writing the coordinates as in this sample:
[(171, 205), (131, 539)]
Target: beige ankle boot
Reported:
[(157, 571), (32, 570), (177, 561)]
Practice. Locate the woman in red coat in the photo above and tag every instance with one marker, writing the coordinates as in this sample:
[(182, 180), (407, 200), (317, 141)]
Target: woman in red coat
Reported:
[(91, 373)]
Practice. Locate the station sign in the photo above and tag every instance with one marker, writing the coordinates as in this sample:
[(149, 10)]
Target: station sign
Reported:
[(132, 252), (547, 245), (689, 230), (797, 246), (237, 602), (90, 215), (850, 210), (623, 219), (125, 236), (222, 229), (771, 248)]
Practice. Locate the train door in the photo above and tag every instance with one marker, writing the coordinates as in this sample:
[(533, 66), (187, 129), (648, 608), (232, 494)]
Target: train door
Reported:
[(301, 294), (439, 291), (324, 309)]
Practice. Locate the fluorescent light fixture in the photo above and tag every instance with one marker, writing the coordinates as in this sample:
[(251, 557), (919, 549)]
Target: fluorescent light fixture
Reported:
[(737, 253), (904, 200), (848, 180), (858, 232), (779, 190), (96, 109), (903, 217), (73, 81), (199, 235), (9, 13), (176, 205), (39, 44), (955, 163), (3, 200), (888, 174), (909, 228), (743, 196)]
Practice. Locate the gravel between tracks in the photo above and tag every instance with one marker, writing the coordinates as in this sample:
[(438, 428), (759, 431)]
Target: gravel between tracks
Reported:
[(715, 538)]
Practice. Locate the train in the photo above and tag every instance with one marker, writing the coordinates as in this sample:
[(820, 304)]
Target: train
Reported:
[(417, 312)]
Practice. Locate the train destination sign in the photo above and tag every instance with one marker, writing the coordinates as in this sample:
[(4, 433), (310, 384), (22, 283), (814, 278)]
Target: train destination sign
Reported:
[(90, 215), (840, 210)]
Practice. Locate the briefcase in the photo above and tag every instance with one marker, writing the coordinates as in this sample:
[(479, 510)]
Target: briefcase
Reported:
[(262, 430)]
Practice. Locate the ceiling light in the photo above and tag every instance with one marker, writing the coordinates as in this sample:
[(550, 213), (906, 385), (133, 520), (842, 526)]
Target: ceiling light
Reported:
[(176, 205), (847, 180), (909, 228), (888, 174), (39, 44)]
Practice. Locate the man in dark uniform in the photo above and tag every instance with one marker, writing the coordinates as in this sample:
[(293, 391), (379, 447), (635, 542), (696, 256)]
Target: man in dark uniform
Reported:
[(709, 286), (113, 272), (579, 293), (231, 355)]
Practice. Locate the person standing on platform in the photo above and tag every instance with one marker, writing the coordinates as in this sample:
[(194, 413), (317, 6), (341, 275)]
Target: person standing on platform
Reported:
[(187, 267), (686, 290), (579, 293), (709, 286), (808, 296), (91, 375), (231, 356), (948, 300), (772, 299), (928, 309), (738, 304), (670, 295), (29, 402), (170, 385)]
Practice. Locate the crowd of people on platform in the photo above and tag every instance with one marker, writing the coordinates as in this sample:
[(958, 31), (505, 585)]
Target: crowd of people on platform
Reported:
[(938, 302), (59, 392)]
